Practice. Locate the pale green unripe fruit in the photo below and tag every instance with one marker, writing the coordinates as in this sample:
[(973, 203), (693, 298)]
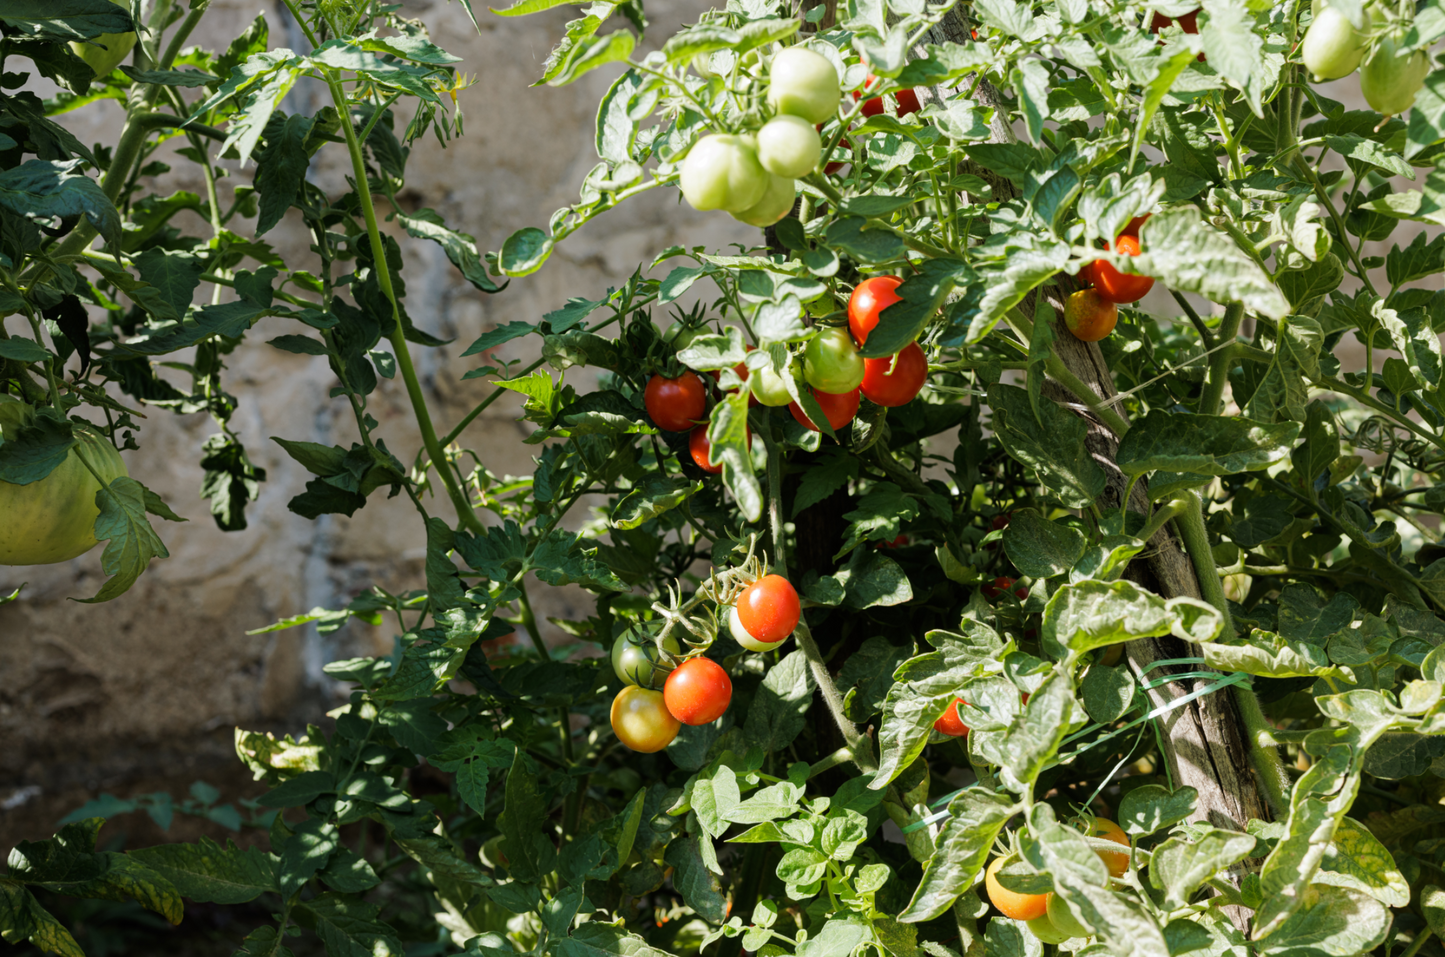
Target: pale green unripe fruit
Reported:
[(789, 146), (723, 172), (1332, 47), (117, 47), (769, 388), (1045, 931), (1063, 919), (831, 362), (803, 83), (1389, 82), (776, 203)]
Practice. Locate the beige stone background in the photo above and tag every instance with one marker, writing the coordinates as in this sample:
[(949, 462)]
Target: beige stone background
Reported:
[(142, 693)]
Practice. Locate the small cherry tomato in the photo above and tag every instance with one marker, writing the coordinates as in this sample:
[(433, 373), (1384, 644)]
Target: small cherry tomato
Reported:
[(1064, 920), (1389, 79), (1002, 584), (1121, 287), (803, 83), (902, 384), (636, 661), (701, 449), (838, 409), (698, 691), (870, 297), (769, 608), (1012, 904), (641, 721), (1189, 23), (741, 636), (769, 388), (873, 106), (950, 723), (675, 404), (722, 172), (1332, 47), (1116, 861), (831, 362), (1089, 316), (898, 542), (999, 522), (776, 203)]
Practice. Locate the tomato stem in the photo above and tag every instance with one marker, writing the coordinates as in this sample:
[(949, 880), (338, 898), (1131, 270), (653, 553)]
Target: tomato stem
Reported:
[(1213, 395)]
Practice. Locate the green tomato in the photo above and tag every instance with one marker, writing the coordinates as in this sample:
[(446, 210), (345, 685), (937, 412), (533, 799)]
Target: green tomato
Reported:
[(1044, 930), (789, 146), (1332, 47), (679, 335), (769, 387), (636, 661), (831, 362), (741, 636), (776, 203), (105, 52), (723, 172), (804, 83), (53, 519), (1389, 81), (1064, 920)]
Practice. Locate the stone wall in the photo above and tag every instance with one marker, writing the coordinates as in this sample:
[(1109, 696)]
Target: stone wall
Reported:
[(141, 693)]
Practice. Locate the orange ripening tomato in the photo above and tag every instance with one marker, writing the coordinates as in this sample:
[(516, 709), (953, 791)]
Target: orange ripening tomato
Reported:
[(1121, 287), (950, 723), (1116, 861), (698, 691), (675, 404), (869, 298), (1012, 904), (1089, 316), (898, 542), (641, 721)]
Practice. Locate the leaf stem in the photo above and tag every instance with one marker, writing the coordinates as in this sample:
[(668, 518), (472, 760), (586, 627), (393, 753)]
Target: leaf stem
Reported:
[(1213, 396)]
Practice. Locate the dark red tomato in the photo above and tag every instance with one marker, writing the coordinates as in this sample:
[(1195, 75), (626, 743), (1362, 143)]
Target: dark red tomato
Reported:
[(701, 449), (769, 608), (698, 691), (1002, 584), (907, 103), (838, 408), (950, 723), (675, 404), (898, 542), (1135, 224), (873, 106), (870, 297), (1119, 287), (902, 385), (1000, 522), (1189, 23)]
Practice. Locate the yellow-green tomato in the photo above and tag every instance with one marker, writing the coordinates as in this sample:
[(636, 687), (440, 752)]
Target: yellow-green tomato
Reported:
[(105, 52), (641, 720), (53, 519), (776, 203), (741, 636), (803, 83), (1390, 80), (635, 658), (831, 362), (1332, 46), (1064, 920), (723, 172), (769, 387), (789, 146), (1044, 930)]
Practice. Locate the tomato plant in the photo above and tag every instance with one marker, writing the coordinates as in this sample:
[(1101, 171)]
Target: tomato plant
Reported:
[(1120, 287), (769, 609), (1088, 315)]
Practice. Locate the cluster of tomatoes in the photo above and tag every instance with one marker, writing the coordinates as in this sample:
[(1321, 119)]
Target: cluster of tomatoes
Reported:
[(1092, 312), (698, 690), (1047, 916), (1389, 77)]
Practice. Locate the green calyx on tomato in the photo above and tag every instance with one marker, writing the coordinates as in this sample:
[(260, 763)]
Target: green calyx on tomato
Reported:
[(789, 146), (641, 721), (675, 405), (722, 172), (831, 362), (53, 519), (776, 203), (635, 658), (698, 691), (741, 636), (1390, 79), (803, 83), (1332, 47), (105, 52)]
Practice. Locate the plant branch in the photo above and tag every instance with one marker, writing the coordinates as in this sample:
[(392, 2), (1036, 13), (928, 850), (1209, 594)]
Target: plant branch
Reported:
[(1213, 396)]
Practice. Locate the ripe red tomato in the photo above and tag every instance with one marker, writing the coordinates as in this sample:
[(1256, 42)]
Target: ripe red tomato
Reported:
[(641, 721), (898, 542), (769, 608), (1121, 287), (1089, 316), (675, 404), (899, 387), (701, 449), (873, 106), (1002, 584), (838, 408), (697, 691), (1000, 521), (950, 723), (870, 297)]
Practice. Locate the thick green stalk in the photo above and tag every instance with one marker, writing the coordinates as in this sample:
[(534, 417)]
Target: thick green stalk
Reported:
[(1272, 775), (1024, 329), (1213, 396), (397, 337), (859, 746)]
